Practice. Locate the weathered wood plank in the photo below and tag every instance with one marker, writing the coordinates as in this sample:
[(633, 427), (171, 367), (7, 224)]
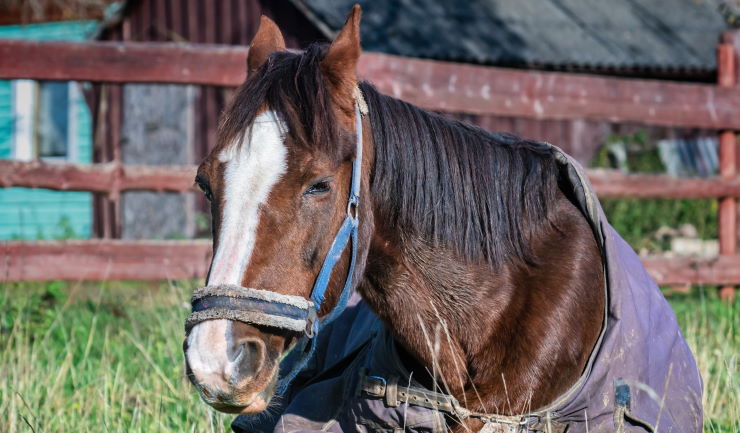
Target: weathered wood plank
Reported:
[(551, 95), (108, 178), (435, 85), (615, 184), (102, 260), (123, 62), (689, 270), (111, 178), (158, 260)]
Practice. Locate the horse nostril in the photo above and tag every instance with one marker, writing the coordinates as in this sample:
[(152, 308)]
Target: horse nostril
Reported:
[(251, 356)]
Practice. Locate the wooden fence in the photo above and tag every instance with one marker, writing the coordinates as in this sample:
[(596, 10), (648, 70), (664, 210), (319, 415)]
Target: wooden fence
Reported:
[(433, 85)]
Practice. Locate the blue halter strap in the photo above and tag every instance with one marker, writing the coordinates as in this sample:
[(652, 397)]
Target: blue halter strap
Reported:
[(293, 313), (348, 230)]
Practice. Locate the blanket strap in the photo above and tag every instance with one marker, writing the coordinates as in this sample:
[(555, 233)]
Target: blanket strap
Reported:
[(395, 395)]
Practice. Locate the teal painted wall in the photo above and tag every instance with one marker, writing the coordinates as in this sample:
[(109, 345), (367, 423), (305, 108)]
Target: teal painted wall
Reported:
[(36, 213)]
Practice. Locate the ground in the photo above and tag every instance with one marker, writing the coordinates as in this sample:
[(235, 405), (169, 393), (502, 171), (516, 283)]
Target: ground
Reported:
[(108, 357)]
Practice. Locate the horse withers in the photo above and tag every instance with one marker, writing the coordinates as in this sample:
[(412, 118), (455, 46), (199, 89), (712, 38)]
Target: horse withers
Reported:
[(382, 268)]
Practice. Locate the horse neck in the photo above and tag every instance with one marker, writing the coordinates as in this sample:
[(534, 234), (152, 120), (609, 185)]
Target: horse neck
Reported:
[(506, 340)]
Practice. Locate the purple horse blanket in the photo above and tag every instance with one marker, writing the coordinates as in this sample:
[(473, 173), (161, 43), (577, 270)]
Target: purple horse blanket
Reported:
[(641, 375)]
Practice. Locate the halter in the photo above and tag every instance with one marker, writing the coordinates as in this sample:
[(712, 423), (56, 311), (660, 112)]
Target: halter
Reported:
[(288, 312)]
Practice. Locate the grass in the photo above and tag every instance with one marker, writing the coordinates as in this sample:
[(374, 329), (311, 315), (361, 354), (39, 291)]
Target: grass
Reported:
[(107, 357), (102, 358), (712, 329)]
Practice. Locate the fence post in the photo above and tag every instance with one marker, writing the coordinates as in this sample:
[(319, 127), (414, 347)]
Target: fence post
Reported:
[(116, 125), (727, 166), (107, 212)]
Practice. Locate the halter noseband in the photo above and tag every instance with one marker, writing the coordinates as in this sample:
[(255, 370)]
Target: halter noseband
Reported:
[(288, 312)]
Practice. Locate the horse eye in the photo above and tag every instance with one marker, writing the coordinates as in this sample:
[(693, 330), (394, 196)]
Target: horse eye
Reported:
[(320, 187), (204, 187)]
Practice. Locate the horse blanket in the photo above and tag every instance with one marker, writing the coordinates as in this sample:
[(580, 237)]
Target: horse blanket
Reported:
[(641, 375)]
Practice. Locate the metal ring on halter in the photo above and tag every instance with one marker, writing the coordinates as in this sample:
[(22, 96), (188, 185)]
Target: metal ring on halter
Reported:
[(352, 207)]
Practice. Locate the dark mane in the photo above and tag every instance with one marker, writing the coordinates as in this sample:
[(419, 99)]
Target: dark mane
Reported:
[(457, 184), (451, 183)]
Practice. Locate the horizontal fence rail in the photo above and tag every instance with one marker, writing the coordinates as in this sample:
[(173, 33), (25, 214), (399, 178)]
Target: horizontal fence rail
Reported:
[(617, 184), (102, 260), (434, 85), (678, 270), (157, 260), (109, 178), (129, 62), (431, 84)]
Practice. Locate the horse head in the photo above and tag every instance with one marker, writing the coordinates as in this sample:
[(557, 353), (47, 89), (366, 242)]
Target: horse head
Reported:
[(283, 183)]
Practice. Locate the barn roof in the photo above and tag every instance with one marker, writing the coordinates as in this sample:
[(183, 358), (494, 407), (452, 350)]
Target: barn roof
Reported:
[(673, 36)]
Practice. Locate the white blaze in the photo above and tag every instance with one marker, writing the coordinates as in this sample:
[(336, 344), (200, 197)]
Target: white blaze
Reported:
[(252, 168)]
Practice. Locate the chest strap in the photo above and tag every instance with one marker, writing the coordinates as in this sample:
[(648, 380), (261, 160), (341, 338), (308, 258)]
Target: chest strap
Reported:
[(394, 395)]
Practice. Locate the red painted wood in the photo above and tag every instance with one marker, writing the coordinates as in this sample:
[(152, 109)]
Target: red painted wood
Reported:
[(175, 21), (158, 260), (689, 270), (551, 95), (727, 211), (123, 62), (193, 15), (726, 65), (103, 260), (116, 120), (732, 37), (727, 165), (160, 15), (225, 31), (615, 184), (431, 84), (108, 178), (209, 23), (435, 85)]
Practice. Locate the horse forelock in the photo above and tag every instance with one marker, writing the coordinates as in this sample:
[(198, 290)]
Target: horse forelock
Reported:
[(293, 86)]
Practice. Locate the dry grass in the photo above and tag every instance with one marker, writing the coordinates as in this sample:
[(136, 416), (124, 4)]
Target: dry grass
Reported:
[(108, 357)]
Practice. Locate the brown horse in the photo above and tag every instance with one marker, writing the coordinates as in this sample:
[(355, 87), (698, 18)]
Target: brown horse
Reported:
[(463, 233)]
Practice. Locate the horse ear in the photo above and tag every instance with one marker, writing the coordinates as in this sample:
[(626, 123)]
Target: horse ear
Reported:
[(267, 40), (340, 62)]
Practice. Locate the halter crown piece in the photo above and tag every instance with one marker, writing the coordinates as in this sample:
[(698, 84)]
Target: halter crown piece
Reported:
[(288, 312)]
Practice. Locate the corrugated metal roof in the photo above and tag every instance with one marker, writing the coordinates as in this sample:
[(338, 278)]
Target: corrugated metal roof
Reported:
[(619, 34)]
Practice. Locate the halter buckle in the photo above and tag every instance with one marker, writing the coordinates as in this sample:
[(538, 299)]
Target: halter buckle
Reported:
[(352, 206), (311, 323)]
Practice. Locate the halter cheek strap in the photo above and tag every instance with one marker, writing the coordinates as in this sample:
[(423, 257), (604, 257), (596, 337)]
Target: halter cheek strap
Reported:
[(288, 312)]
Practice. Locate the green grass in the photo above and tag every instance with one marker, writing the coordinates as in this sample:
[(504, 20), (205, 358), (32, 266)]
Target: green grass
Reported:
[(712, 329), (107, 358), (98, 358)]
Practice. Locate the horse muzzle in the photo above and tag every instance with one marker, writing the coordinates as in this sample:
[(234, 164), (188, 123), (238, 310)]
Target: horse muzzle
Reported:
[(233, 365)]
